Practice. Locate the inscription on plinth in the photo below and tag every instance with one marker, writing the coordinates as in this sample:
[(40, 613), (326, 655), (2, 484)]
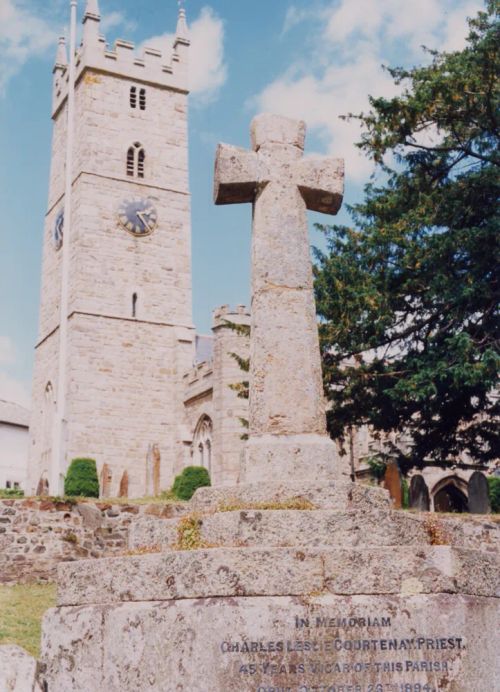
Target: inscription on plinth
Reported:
[(321, 652), (326, 643)]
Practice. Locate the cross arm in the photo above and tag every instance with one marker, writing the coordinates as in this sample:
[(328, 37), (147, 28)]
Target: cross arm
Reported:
[(321, 183), (236, 175)]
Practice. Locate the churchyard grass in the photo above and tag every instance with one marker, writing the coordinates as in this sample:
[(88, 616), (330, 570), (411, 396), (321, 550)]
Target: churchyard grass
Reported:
[(21, 610)]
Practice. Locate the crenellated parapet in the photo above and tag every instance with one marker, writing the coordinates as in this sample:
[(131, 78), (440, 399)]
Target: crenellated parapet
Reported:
[(167, 67), (225, 313)]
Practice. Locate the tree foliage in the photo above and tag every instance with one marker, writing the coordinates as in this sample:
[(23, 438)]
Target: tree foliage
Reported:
[(408, 296)]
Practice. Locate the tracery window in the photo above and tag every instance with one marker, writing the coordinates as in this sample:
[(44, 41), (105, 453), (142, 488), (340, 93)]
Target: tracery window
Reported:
[(202, 443), (136, 158)]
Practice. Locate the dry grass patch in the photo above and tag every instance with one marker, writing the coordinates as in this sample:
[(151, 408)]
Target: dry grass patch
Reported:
[(189, 534), (21, 610), (299, 503)]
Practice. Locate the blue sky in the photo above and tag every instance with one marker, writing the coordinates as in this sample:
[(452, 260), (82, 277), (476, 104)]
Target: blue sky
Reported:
[(314, 59)]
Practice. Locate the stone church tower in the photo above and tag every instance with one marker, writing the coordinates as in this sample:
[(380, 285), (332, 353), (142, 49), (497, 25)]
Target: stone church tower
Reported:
[(129, 323)]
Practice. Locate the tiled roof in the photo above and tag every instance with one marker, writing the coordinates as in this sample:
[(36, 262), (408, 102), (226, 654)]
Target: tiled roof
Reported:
[(14, 414)]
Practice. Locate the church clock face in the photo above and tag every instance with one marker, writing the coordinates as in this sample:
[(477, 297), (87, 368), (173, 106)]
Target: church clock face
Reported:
[(138, 216)]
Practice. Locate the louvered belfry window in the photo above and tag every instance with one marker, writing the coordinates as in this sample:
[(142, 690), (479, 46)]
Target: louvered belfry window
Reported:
[(140, 163), (133, 97), (142, 99), (136, 158), (130, 161)]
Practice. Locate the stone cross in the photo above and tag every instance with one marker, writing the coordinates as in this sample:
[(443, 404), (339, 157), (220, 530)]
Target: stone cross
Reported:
[(287, 422)]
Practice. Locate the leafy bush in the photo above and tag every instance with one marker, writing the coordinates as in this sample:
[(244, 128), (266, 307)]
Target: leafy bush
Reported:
[(377, 466), (11, 492), (81, 479), (494, 484), (192, 478)]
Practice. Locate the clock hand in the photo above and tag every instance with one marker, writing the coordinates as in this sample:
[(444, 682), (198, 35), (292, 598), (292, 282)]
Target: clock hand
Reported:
[(144, 218)]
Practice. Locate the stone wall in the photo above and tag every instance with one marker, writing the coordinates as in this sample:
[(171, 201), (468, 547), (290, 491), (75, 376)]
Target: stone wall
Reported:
[(36, 535)]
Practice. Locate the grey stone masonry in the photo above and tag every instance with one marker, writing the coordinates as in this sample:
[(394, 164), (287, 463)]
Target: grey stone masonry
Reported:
[(130, 333), (321, 589), (287, 424)]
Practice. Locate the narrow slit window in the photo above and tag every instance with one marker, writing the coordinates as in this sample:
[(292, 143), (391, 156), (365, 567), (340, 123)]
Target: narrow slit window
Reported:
[(134, 305), (142, 99), (133, 97), (130, 161), (140, 163)]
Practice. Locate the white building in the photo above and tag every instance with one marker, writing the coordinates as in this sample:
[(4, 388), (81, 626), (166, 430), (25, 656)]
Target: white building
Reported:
[(14, 438)]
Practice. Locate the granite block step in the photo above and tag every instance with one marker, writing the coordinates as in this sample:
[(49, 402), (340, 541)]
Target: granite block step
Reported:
[(321, 495), (278, 572)]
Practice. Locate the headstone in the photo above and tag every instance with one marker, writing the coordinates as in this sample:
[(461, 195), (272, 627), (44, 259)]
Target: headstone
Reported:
[(149, 471), (123, 491), (42, 489), (17, 670), (156, 470), (393, 483), (153, 461), (287, 422), (479, 497), (419, 494), (295, 581), (106, 479)]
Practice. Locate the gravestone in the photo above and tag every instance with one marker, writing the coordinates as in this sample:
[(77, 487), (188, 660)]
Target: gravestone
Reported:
[(479, 496), (419, 494), (105, 481), (297, 580), (393, 483), (123, 489)]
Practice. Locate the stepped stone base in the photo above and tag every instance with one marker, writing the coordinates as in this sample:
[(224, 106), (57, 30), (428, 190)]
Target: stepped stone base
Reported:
[(340, 595)]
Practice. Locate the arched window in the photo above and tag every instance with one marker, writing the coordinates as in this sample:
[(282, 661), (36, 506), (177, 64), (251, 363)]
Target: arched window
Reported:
[(130, 161), (133, 97), (136, 157), (202, 443), (140, 163), (142, 99)]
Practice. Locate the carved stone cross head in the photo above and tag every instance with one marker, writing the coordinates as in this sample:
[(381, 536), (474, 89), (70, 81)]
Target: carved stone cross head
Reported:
[(287, 422), (277, 157)]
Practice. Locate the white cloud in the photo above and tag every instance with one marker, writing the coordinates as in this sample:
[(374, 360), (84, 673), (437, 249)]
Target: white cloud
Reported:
[(354, 38), (10, 388), (7, 352), (23, 35), (207, 68), (113, 20), (14, 390), (295, 15)]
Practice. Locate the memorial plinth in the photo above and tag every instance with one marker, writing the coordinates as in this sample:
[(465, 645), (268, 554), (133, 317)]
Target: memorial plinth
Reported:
[(346, 595), (295, 580)]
